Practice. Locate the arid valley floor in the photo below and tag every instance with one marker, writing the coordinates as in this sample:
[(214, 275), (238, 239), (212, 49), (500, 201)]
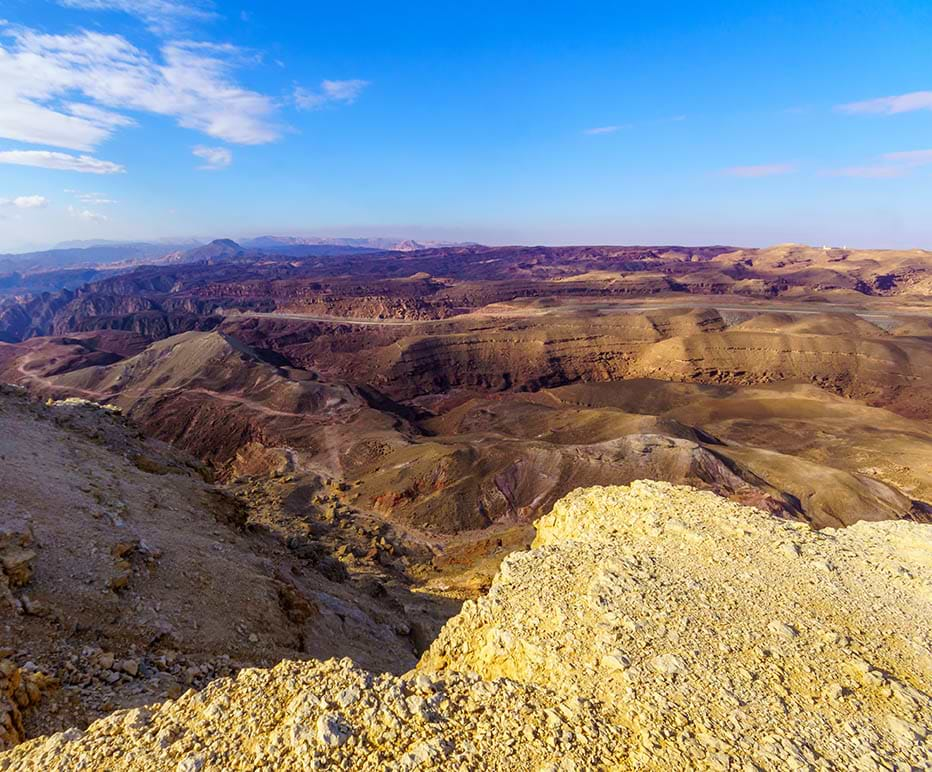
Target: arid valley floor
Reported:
[(237, 458)]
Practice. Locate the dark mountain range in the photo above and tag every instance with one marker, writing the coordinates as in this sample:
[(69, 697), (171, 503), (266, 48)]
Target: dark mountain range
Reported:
[(90, 256), (100, 253), (370, 243), (27, 283)]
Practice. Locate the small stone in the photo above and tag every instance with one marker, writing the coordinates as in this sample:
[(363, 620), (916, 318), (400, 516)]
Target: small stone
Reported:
[(120, 581), (348, 697), (121, 549), (860, 665), (782, 630), (191, 764), (905, 732), (331, 731), (616, 660), (32, 607), (669, 664), (130, 667), (835, 692), (137, 720), (17, 564)]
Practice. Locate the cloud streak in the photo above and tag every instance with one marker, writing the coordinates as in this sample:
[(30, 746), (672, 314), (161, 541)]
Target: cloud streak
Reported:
[(87, 214), (890, 105), (94, 199), (164, 17), (597, 130), (215, 158), (890, 166), (760, 170), (26, 202), (47, 159), (330, 92)]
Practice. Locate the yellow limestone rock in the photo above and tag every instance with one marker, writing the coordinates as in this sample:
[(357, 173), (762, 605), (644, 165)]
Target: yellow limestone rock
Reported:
[(715, 633)]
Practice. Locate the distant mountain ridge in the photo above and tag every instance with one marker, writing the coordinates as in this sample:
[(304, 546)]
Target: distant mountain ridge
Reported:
[(70, 264), (101, 253), (92, 256), (227, 250), (373, 243), (162, 242)]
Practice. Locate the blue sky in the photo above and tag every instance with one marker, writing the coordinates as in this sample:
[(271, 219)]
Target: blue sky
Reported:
[(502, 122)]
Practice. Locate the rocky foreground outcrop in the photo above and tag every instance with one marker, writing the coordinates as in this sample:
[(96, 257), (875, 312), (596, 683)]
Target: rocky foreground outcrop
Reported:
[(715, 632), (19, 689), (651, 626)]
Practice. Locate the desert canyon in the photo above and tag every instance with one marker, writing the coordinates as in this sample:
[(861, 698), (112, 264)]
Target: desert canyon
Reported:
[(467, 507)]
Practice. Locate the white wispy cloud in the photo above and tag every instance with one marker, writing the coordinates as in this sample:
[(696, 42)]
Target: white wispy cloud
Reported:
[(760, 170), (190, 82), (876, 171), (87, 214), (889, 165), (26, 202), (330, 92), (106, 119), (161, 16), (911, 158), (891, 105), (602, 130), (215, 158), (615, 128), (63, 161), (92, 199)]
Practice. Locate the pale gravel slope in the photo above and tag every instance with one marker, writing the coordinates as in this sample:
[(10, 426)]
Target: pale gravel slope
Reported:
[(652, 626), (716, 632)]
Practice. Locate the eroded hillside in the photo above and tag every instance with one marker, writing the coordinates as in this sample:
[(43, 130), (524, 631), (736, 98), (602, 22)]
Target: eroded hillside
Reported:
[(128, 577), (460, 433), (651, 627)]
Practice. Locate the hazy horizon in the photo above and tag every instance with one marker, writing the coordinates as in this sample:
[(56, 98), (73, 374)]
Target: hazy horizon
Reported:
[(192, 240)]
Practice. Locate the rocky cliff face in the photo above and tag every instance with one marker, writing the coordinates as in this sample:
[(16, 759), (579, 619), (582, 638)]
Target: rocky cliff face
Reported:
[(651, 626)]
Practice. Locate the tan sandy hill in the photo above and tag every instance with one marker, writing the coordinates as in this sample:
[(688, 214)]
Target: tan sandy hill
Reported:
[(808, 270), (791, 448), (827, 451), (839, 351), (650, 627), (213, 396)]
